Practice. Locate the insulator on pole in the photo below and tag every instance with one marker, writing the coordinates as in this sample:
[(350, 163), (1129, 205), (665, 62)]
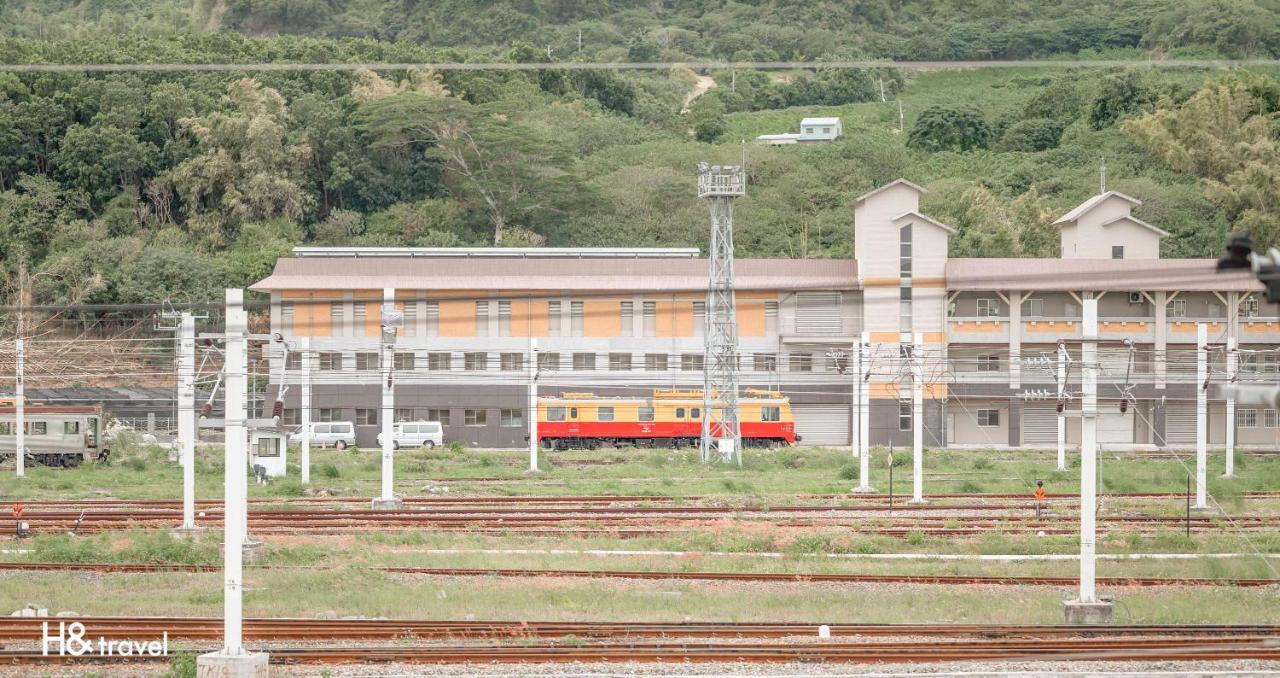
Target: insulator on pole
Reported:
[(205, 410), (277, 409)]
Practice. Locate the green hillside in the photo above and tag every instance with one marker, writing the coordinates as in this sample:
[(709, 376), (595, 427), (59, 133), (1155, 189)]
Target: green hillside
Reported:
[(140, 187)]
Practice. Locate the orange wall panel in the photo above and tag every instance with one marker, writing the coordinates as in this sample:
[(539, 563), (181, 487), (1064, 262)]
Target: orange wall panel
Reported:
[(666, 321), (601, 318), (751, 318), (458, 318), (684, 318)]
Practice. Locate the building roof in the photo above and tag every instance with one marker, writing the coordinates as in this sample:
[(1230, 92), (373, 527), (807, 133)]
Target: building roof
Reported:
[(560, 274), (1093, 202), (1095, 274), (891, 184), (778, 137), (1134, 220), (503, 252), (927, 219), (820, 121)]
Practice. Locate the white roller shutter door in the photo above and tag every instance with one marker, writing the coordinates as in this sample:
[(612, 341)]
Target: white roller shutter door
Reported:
[(822, 424), (1180, 424), (1115, 428), (1040, 424), (818, 313)]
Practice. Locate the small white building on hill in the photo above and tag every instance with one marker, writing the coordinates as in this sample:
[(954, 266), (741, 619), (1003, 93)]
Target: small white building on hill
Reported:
[(811, 130)]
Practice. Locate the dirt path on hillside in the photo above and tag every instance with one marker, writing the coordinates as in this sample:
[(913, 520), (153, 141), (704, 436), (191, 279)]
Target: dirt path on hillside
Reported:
[(701, 85)]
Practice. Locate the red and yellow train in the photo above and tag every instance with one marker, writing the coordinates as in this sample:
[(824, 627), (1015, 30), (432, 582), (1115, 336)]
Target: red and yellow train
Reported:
[(665, 419)]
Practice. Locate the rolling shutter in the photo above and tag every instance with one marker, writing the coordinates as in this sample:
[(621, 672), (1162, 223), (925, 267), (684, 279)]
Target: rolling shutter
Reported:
[(1180, 424), (1115, 428), (818, 313), (822, 424), (1040, 424)]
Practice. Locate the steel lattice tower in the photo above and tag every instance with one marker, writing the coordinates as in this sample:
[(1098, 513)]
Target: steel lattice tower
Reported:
[(719, 185)]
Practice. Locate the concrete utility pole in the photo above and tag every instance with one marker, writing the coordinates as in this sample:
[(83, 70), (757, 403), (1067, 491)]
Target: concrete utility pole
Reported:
[(20, 407), (304, 347), (391, 322), (1202, 414), (720, 185), (1089, 609), (864, 416), (917, 418), (1233, 361), (187, 418), (1062, 419), (233, 659), (533, 404)]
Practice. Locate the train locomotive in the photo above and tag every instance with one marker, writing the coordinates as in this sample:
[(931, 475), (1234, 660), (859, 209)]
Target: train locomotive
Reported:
[(56, 435), (668, 418)]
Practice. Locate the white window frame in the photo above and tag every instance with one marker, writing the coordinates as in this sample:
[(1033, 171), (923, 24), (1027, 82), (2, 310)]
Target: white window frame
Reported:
[(988, 417), (1247, 418), (1177, 308), (987, 307)]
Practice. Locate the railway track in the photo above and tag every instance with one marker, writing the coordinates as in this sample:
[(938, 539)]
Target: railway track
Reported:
[(777, 577)]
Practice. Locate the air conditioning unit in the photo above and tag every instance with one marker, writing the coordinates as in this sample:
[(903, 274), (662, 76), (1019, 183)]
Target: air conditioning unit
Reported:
[(1135, 297)]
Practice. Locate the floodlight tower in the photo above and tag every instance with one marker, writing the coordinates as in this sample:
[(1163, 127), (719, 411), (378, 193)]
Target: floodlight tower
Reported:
[(719, 185)]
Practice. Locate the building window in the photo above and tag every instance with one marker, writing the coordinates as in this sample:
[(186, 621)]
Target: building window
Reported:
[(553, 318), (765, 362), (512, 418), (904, 415), (405, 361), (549, 361), (626, 317), (1270, 419), (1248, 363), (770, 318), (988, 308), (360, 318), (337, 318), (575, 318), (644, 414), (476, 361), (801, 362), (475, 417), (482, 318), (904, 308), (330, 361), (410, 319), (650, 318), (1178, 308), (1268, 362), (367, 361), (826, 130), (655, 362), (366, 416), (691, 362), (292, 417), (293, 361), (988, 362), (1247, 418), (403, 414), (433, 318), (604, 414), (988, 418), (326, 414), (1117, 251), (904, 252), (440, 361), (510, 362), (504, 318), (699, 318), (1251, 307), (584, 361), (771, 413), (441, 415), (286, 316), (620, 362), (1033, 308)]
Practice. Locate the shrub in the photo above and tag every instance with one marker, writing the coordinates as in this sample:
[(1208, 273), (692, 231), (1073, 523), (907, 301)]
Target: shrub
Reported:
[(848, 472), (941, 128), (1036, 134), (182, 665), (328, 470), (970, 487), (981, 464)]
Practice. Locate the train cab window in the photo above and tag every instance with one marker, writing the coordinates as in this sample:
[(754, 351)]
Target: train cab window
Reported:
[(37, 428), (70, 428), (770, 414), (644, 414), (604, 414), (555, 414), (679, 413), (695, 413), (573, 413)]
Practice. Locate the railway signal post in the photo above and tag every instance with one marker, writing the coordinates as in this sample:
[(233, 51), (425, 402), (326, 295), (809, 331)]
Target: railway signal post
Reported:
[(233, 659), (392, 321), (1089, 608), (187, 421)]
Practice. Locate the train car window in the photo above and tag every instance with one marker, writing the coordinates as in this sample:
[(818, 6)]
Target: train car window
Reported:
[(573, 413), (6, 428), (695, 413), (604, 414), (92, 424), (70, 428), (37, 428), (679, 413), (645, 414), (770, 414), (555, 414)]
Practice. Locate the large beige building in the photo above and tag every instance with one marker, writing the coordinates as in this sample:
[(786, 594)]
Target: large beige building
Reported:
[(622, 321)]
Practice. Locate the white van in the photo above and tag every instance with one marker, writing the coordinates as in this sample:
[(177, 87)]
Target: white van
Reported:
[(426, 434), (340, 434)]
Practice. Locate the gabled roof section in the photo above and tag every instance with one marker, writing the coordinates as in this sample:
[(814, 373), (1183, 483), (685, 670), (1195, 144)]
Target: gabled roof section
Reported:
[(1093, 202), (1134, 220), (926, 219), (891, 184)]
